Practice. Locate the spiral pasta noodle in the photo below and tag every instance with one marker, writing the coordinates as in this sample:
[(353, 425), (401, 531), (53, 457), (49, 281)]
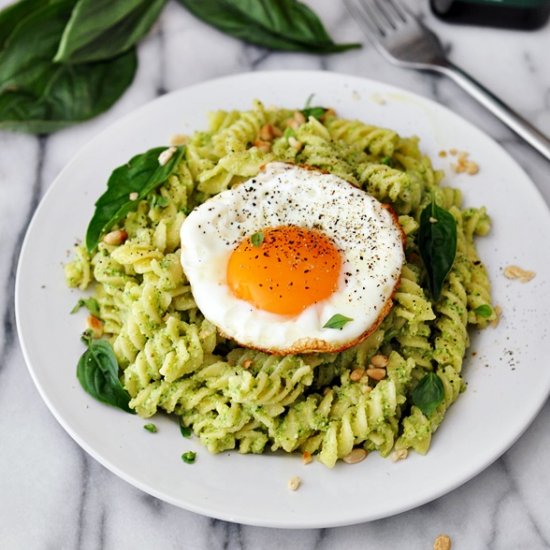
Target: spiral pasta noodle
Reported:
[(173, 360)]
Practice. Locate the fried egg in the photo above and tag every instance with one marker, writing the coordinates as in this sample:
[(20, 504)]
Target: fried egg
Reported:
[(293, 261)]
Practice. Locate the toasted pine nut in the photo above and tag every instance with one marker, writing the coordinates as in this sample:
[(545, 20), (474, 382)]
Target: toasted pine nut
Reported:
[(357, 455), (516, 272), (115, 237), (299, 117), (401, 454), (376, 374), (356, 374), (267, 132), (380, 361), (166, 155), (178, 139), (264, 146), (442, 542), (246, 363), (294, 483), (95, 325), (291, 123)]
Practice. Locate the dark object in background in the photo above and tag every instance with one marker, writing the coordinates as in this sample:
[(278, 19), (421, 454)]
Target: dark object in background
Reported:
[(509, 14)]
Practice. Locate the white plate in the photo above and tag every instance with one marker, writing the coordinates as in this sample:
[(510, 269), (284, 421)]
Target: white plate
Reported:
[(508, 377)]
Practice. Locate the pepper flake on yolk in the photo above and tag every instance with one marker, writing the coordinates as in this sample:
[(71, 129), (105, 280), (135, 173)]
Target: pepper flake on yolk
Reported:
[(291, 269)]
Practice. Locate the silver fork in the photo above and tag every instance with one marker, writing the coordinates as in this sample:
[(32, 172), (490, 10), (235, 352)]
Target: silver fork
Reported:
[(405, 41)]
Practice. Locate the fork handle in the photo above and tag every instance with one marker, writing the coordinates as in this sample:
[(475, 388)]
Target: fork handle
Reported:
[(508, 116)]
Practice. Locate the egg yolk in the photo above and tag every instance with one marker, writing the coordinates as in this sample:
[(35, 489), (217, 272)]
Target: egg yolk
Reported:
[(284, 269)]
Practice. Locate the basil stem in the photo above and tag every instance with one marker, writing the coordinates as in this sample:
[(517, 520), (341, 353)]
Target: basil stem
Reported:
[(437, 245)]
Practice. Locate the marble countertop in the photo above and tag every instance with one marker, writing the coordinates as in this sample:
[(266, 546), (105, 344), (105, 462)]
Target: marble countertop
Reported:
[(54, 495)]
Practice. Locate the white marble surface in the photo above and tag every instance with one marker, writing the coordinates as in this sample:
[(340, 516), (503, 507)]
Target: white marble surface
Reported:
[(53, 495)]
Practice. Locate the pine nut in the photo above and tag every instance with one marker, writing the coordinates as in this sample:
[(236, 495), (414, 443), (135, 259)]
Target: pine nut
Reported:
[(95, 325), (442, 542), (264, 146), (376, 374), (294, 483), (166, 155), (306, 457), (516, 272), (356, 374), (246, 363), (115, 237), (401, 454), (357, 455), (299, 117), (380, 361)]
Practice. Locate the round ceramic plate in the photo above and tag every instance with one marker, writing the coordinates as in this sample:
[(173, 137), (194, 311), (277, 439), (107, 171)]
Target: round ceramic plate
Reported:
[(506, 370)]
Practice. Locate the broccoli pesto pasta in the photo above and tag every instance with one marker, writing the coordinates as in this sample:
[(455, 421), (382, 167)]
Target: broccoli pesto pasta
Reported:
[(376, 368)]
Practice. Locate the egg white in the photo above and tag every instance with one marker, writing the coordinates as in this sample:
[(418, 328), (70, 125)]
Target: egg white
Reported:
[(365, 232)]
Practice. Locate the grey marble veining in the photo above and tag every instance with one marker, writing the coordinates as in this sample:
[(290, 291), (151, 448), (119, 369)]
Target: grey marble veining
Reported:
[(54, 496)]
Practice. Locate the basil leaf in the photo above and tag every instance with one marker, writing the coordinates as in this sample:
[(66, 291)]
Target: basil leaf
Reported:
[(97, 372), (437, 245), (484, 311), (14, 14), (429, 393), (150, 428), (90, 304), (102, 29), (257, 239), (337, 321), (275, 24), (141, 175), (39, 96)]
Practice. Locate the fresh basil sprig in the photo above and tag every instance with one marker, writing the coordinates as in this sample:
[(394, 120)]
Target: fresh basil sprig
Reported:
[(437, 245), (429, 393), (275, 24), (65, 61), (141, 175), (337, 321), (97, 372), (102, 29), (40, 96)]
